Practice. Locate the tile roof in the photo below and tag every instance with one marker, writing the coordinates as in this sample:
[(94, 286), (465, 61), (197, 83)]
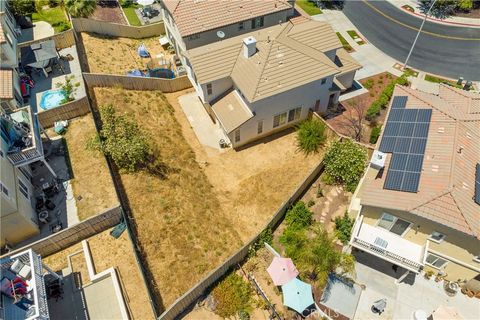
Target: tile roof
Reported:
[(446, 188), (6, 84), (281, 62), (231, 111), (195, 16)]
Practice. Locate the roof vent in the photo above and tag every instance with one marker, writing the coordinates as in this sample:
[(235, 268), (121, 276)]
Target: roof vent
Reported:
[(249, 47), (441, 130), (378, 160)]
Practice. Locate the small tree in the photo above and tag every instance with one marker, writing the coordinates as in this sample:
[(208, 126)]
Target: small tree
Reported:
[(232, 295), (299, 216), (343, 228), (344, 163), (122, 140), (21, 7), (69, 88), (310, 136), (441, 10), (80, 8), (353, 119)]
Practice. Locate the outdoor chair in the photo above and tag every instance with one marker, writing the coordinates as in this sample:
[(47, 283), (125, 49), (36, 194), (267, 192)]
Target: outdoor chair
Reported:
[(379, 306)]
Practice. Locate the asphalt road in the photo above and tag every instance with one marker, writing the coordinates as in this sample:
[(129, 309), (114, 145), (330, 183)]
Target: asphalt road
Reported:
[(445, 50)]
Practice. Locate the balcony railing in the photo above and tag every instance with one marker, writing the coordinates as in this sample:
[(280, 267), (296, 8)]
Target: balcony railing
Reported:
[(388, 246)]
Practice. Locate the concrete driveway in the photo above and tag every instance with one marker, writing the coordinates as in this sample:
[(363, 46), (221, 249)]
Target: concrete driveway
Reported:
[(207, 132), (414, 293)]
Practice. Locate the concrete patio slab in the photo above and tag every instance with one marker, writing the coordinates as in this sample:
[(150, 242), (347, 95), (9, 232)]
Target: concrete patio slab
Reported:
[(207, 132), (40, 30)]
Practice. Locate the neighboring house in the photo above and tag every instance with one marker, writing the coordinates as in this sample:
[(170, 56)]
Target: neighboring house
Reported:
[(20, 145), (10, 94), (267, 80), (419, 202), (194, 23)]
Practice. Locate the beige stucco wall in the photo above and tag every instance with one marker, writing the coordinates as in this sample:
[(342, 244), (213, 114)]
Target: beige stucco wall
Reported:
[(456, 246), (346, 79)]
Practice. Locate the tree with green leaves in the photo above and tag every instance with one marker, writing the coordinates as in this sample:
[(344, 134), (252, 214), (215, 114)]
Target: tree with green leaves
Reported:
[(343, 228), (311, 136), (299, 216), (441, 10), (122, 140), (21, 7), (232, 296), (80, 8), (344, 163)]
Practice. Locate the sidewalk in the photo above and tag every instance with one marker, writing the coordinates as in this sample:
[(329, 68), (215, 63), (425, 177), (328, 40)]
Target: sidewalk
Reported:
[(453, 21)]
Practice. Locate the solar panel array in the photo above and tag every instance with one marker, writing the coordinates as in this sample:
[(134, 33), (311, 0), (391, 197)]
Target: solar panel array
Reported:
[(405, 136)]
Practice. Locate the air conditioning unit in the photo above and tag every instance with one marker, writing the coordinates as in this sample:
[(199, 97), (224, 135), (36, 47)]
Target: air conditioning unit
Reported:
[(378, 160)]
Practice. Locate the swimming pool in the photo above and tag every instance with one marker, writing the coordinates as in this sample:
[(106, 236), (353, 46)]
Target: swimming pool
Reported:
[(51, 99)]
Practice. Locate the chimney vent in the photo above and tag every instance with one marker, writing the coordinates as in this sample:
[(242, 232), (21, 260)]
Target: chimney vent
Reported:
[(249, 47)]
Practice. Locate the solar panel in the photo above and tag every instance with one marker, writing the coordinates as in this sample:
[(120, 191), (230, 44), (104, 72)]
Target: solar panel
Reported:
[(399, 102), (477, 184), (405, 136)]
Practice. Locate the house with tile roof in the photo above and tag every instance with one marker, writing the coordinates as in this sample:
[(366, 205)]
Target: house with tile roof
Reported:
[(267, 80), (418, 205)]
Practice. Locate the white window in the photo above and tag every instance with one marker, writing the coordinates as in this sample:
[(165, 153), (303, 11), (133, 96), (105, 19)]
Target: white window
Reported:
[(294, 114), (437, 237), (260, 127), (435, 261), (209, 89), (4, 189), (394, 224), (23, 189), (237, 135), (279, 119)]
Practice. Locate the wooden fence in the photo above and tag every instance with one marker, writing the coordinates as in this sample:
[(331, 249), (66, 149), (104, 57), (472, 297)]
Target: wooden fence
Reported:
[(136, 83), (74, 234), (192, 295), (118, 30), (66, 111), (62, 40)]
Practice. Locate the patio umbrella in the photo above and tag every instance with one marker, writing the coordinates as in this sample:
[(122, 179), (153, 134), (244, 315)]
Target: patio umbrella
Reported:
[(282, 270), (446, 313), (38, 54), (297, 295)]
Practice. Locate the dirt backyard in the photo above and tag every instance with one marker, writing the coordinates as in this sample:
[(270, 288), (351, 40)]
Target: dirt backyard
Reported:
[(110, 252), (110, 11), (209, 204), (345, 118), (119, 55), (91, 182)]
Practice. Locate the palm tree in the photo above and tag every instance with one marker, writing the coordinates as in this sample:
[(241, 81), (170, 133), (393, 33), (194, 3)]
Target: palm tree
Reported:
[(80, 8)]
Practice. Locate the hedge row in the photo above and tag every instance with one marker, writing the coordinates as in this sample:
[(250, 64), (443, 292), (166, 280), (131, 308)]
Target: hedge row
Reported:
[(381, 103)]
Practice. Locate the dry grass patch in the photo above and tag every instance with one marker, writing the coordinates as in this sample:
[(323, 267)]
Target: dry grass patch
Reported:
[(181, 226), (110, 252), (91, 182), (118, 55)]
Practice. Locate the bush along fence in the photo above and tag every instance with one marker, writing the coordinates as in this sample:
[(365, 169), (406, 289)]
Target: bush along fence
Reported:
[(185, 302), (118, 30), (74, 234), (382, 102)]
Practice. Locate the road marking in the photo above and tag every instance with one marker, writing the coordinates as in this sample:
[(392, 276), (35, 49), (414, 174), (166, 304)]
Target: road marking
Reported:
[(416, 29)]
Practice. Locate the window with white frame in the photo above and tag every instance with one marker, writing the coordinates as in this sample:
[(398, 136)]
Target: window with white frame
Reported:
[(260, 127), (23, 189), (237, 135), (279, 119), (294, 114), (435, 261), (393, 224), (437, 237), (209, 89), (4, 189)]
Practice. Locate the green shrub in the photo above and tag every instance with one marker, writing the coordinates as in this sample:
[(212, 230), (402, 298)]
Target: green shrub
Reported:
[(369, 84), (62, 26), (299, 216), (310, 203), (232, 295), (343, 228), (319, 192), (265, 236), (122, 140), (310, 136), (345, 162), (375, 134), (382, 102), (293, 241), (244, 315)]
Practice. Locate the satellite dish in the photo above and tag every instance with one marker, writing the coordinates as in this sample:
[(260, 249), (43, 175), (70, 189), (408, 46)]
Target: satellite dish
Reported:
[(221, 34)]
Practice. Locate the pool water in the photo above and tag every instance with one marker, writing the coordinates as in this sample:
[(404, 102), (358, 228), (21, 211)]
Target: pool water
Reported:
[(51, 99)]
